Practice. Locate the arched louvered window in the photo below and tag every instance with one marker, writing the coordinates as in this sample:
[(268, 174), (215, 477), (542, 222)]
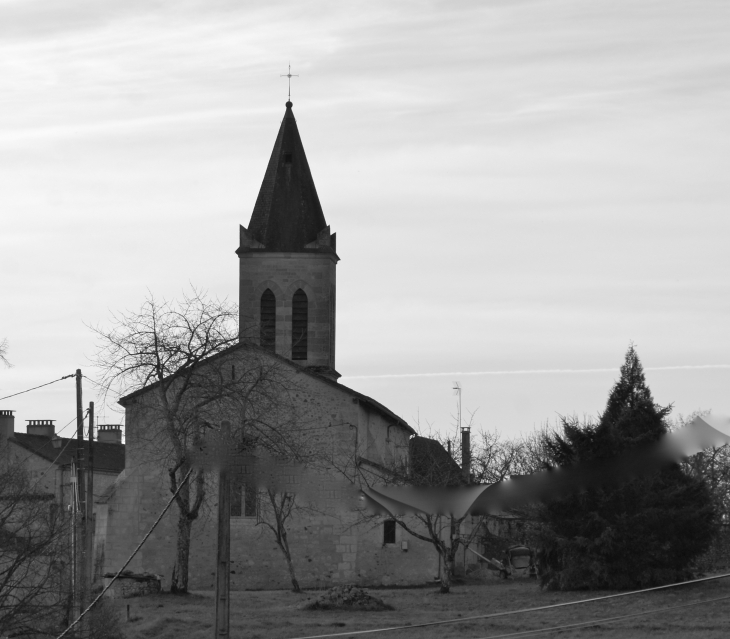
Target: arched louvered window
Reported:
[(268, 320), (299, 321)]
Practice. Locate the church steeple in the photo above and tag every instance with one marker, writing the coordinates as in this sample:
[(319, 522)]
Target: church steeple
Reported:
[(287, 215), (287, 262)]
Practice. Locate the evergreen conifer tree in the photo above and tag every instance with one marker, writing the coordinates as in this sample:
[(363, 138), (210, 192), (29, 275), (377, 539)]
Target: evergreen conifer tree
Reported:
[(627, 534)]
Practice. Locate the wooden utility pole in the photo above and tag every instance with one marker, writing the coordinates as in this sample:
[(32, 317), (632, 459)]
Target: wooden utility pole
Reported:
[(79, 521), (223, 571), (90, 504)]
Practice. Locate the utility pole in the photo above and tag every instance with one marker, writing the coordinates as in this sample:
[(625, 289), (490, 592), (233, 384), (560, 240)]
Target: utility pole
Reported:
[(79, 521), (90, 505), (223, 572)]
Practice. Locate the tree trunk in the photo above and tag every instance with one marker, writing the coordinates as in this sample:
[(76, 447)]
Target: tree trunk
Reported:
[(292, 574), (179, 584), (447, 569), (284, 545)]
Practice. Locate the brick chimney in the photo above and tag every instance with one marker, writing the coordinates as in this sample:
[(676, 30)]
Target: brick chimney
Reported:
[(43, 427), (7, 424), (109, 434)]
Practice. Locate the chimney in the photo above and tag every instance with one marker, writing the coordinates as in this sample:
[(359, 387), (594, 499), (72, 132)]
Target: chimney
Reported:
[(43, 427), (466, 454), (7, 424), (109, 434)]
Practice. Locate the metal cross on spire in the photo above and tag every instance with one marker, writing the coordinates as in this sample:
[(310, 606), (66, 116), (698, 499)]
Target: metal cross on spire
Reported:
[(289, 75)]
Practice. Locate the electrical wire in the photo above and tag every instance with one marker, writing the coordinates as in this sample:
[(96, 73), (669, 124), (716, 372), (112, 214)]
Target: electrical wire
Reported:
[(105, 388), (36, 387), (35, 452), (594, 622), (62, 428), (515, 612), (103, 404), (126, 563), (53, 463)]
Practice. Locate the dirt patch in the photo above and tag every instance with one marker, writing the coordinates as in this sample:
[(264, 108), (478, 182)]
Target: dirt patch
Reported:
[(349, 598)]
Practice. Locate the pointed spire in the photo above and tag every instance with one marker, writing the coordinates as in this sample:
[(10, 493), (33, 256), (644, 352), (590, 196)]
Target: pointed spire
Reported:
[(287, 215)]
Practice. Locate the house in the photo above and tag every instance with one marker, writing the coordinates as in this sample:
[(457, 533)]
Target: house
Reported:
[(49, 464), (49, 458), (287, 264)]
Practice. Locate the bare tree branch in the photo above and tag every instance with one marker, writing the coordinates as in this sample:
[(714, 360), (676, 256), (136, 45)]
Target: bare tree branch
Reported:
[(4, 346), (33, 555)]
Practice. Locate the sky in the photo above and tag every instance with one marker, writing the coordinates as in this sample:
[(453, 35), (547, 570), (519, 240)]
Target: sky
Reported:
[(520, 189)]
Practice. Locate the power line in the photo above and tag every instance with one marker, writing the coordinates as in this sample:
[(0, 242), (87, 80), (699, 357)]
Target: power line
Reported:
[(126, 563), (36, 387), (63, 450), (515, 612), (35, 452), (594, 622), (106, 389)]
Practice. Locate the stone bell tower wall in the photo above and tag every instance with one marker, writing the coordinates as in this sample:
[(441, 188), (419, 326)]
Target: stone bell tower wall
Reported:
[(285, 273)]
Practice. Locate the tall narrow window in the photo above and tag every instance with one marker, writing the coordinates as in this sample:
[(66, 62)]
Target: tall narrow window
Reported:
[(236, 498), (299, 325), (250, 501), (244, 499), (389, 531), (332, 326), (268, 320)]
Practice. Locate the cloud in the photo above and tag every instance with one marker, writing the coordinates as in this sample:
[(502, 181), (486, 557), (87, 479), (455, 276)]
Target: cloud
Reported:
[(536, 371)]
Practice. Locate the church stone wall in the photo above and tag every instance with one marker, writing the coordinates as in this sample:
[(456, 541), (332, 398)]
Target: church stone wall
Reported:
[(284, 273), (327, 546), (326, 550)]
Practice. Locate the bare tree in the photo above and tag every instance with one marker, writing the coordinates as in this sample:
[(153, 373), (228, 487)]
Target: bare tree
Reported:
[(427, 464), (436, 462), (33, 555), (278, 504), (4, 346), (276, 509), (493, 459), (531, 451), (285, 485), (713, 466), (182, 354)]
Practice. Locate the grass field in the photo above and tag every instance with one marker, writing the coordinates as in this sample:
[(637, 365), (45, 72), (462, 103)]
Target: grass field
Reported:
[(276, 614)]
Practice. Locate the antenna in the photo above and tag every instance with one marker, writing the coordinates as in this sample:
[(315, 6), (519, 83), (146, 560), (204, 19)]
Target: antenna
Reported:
[(289, 75), (457, 391)]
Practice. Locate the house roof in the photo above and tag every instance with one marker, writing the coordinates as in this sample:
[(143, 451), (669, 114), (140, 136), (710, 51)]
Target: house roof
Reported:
[(287, 215), (431, 464), (369, 401), (107, 457)]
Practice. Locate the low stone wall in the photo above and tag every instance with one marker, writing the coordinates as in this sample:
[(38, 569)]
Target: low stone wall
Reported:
[(130, 584)]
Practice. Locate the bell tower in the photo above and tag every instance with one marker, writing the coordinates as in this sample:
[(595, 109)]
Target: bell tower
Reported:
[(287, 258)]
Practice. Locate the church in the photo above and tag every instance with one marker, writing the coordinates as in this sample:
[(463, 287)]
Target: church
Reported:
[(287, 299)]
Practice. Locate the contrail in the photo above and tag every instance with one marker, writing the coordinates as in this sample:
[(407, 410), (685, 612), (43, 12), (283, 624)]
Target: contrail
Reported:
[(537, 371)]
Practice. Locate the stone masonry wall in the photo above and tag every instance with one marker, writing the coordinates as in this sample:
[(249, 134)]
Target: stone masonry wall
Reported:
[(284, 273), (326, 550), (327, 547)]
